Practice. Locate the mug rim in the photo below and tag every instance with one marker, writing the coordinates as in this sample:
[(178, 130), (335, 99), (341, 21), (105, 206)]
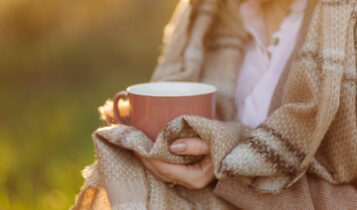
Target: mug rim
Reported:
[(209, 89)]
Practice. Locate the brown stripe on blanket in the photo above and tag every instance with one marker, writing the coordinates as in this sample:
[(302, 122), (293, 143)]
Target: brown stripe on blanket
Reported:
[(336, 61), (336, 3), (273, 157), (311, 55), (354, 13), (292, 148), (349, 78), (320, 59)]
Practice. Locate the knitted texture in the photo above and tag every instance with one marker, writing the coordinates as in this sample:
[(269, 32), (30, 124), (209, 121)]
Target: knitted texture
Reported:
[(313, 131), (129, 186)]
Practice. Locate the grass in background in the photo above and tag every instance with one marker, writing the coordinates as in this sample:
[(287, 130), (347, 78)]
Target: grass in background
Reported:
[(60, 60)]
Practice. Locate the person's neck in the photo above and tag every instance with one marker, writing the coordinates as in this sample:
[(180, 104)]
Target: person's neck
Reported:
[(275, 11)]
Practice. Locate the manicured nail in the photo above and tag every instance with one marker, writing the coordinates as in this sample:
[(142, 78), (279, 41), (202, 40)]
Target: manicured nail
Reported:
[(178, 147)]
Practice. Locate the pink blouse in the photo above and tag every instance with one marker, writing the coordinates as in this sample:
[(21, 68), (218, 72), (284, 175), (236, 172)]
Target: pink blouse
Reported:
[(262, 64)]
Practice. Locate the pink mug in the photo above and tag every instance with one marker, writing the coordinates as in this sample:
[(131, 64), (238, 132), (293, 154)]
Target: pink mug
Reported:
[(153, 105)]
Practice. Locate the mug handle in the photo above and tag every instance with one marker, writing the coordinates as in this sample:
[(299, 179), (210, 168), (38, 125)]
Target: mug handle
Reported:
[(118, 96)]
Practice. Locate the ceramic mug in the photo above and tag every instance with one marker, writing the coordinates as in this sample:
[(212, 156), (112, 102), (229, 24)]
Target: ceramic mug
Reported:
[(153, 105)]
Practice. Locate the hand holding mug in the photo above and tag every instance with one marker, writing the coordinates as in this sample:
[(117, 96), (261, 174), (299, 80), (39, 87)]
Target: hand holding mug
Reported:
[(192, 176)]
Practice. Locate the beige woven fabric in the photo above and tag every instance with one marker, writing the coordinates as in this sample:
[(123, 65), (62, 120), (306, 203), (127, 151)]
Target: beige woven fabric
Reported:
[(309, 193), (130, 186), (314, 130)]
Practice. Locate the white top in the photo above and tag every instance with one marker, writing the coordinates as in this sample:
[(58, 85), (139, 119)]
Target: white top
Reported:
[(262, 64)]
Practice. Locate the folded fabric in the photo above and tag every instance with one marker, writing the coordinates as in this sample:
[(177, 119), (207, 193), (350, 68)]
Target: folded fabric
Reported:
[(129, 186)]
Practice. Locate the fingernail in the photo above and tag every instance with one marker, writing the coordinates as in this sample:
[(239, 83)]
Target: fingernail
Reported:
[(178, 147)]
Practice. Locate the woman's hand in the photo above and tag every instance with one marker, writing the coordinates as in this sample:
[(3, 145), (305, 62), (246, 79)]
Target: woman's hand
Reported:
[(195, 176)]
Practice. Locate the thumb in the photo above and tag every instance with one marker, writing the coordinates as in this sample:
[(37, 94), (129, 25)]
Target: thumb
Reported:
[(189, 146)]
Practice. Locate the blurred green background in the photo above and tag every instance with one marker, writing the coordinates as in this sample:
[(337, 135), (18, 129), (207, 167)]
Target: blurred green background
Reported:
[(60, 60)]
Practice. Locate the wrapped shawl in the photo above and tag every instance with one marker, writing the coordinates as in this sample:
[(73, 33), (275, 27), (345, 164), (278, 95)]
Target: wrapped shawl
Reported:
[(312, 127)]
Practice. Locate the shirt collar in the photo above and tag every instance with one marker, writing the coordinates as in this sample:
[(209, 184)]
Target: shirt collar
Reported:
[(253, 20)]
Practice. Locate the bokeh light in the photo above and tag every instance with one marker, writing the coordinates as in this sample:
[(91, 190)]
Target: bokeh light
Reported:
[(60, 60)]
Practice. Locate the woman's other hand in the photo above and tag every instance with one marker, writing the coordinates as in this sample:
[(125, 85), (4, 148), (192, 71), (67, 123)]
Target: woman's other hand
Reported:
[(194, 176)]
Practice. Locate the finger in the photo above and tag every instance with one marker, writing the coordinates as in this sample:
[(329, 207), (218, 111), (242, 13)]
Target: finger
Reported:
[(171, 171), (207, 173), (189, 146), (148, 165), (157, 168), (194, 176)]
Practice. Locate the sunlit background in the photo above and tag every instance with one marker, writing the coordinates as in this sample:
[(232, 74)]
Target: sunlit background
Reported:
[(60, 60)]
